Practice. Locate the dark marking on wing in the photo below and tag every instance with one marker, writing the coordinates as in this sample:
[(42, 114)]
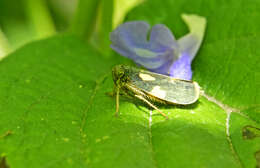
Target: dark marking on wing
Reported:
[(177, 91)]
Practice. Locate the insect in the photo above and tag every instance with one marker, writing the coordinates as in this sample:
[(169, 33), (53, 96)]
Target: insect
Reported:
[(152, 87)]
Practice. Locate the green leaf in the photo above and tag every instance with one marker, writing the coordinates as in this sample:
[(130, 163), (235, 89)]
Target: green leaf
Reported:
[(54, 110), (227, 68)]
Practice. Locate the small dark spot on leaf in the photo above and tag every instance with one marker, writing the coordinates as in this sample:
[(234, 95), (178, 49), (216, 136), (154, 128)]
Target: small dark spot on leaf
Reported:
[(257, 157), (250, 132), (3, 163)]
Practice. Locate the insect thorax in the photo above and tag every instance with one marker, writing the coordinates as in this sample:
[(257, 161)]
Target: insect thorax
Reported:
[(120, 75)]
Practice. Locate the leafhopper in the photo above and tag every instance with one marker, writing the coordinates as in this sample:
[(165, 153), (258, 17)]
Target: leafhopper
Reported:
[(153, 87)]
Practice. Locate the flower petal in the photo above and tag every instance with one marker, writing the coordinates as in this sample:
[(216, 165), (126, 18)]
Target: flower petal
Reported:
[(191, 42), (156, 64), (130, 40), (160, 53), (161, 38), (188, 46), (130, 35), (182, 68)]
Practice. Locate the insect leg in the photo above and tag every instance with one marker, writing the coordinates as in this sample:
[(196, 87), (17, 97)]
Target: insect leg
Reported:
[(117, 101), (150, 104)]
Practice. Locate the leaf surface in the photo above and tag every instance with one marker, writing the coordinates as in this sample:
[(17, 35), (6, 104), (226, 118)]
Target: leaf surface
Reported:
[(54, 110)]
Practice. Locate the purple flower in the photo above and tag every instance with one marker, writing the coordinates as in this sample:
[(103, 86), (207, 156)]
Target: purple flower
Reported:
[(157, 49)]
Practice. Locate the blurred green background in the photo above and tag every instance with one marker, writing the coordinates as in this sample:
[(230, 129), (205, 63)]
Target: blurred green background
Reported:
[(28, 20), (56, 72)]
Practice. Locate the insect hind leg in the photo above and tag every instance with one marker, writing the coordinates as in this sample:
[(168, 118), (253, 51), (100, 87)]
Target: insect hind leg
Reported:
[(150, 104)]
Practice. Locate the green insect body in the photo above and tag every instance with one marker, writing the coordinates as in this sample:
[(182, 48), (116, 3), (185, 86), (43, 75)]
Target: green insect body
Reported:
[(152, 87)]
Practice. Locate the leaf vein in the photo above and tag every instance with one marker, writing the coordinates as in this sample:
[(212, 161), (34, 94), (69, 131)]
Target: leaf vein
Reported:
[(83, 122), (228, 111)]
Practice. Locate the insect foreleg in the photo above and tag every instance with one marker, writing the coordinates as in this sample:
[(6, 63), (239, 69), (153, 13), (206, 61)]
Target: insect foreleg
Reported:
[(117, 100), (150, 104)]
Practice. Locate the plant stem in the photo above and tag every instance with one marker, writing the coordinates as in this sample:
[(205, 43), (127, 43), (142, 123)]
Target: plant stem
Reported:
[(4, 46), (84, 20), (104, 26), (40, 18), (121, 8)]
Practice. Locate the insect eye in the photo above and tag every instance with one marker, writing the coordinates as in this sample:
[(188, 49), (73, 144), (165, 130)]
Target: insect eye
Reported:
[(118, 73)]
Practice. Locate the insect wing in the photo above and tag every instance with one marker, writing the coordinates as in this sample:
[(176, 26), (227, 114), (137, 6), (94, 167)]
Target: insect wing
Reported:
[(166, 88)]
